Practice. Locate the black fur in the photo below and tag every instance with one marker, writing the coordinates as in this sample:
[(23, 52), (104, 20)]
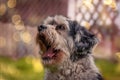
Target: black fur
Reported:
[(99, 77), (87, 40)]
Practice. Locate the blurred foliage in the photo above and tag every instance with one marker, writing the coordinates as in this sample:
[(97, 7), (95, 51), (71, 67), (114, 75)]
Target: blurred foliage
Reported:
[(27, 68), (109, 70)]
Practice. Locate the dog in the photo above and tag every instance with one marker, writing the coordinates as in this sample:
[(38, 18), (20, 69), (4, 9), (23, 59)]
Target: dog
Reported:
[(66, 50)]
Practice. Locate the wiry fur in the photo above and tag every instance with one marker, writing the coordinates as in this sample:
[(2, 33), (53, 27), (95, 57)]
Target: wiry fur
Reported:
[(74, 61)]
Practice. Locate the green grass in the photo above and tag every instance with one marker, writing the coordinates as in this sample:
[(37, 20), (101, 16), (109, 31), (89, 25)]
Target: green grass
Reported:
[(29, 68), (22, 69), (110, 70)]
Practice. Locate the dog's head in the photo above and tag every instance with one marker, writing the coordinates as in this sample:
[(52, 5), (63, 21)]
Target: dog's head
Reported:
[(61, 38)]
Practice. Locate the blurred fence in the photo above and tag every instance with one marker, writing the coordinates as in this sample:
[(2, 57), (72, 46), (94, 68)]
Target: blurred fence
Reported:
[(16, 41), (18, 22), (101, 17), (32, 12)]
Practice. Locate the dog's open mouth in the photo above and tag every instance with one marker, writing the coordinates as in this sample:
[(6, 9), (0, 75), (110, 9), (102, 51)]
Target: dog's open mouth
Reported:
[(50, 55)]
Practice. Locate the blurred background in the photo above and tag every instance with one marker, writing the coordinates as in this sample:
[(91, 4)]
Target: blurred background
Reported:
[(19, 59)]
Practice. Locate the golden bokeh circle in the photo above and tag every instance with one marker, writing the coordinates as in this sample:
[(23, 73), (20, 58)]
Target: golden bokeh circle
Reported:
[(107, 2), (16, 19), (20, 26), (118, 54), (11, 3), (16, 36), (26, 37), (2, 9)]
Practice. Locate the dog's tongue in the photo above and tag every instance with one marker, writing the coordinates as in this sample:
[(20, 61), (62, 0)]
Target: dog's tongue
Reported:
[(49, 53)]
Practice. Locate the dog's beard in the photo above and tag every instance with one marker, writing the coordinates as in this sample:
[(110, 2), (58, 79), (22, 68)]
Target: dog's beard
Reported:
[(52, 47)]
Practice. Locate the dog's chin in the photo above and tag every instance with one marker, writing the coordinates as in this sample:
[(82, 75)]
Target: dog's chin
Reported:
[(52, 57)]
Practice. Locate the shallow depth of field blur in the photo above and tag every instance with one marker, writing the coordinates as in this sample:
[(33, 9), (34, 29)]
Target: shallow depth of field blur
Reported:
[(19, 58)]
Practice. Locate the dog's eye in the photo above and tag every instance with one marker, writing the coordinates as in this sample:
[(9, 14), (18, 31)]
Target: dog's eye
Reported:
[(60, 27)]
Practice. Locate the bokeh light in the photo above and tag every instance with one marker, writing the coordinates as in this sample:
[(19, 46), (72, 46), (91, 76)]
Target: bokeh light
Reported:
[(11, 3), (25, 36), (78, 3), (36, 63), (113, 5), (107, 2), (88, 3), (2, 41), (110, 3), (108, 21), (104, 16), (16, 36), (85, 24), (20, 26), (2, 9), (118, 54), (16, 19), (37, 66)]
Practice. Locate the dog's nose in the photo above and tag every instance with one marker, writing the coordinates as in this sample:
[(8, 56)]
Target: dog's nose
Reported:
[(41, 27)]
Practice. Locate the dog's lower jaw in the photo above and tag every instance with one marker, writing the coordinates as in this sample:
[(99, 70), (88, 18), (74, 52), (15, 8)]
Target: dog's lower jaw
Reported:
[(84, 69)]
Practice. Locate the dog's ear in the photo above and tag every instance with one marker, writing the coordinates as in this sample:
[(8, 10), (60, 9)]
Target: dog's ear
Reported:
[(84, 40)]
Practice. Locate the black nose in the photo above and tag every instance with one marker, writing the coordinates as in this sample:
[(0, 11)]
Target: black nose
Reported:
[(41, 27)]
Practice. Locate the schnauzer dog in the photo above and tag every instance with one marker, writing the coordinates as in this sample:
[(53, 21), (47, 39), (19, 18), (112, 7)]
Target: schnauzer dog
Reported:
[(66, 50)]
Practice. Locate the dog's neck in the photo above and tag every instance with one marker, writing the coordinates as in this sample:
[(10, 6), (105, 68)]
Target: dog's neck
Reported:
[(71, 65), (70, 70)]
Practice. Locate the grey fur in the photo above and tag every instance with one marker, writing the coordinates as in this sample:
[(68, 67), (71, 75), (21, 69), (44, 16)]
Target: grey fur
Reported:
[(75, 43), (83, 69)]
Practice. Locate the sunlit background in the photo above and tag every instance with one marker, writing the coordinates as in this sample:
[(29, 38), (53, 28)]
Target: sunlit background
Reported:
[(19, 59)]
